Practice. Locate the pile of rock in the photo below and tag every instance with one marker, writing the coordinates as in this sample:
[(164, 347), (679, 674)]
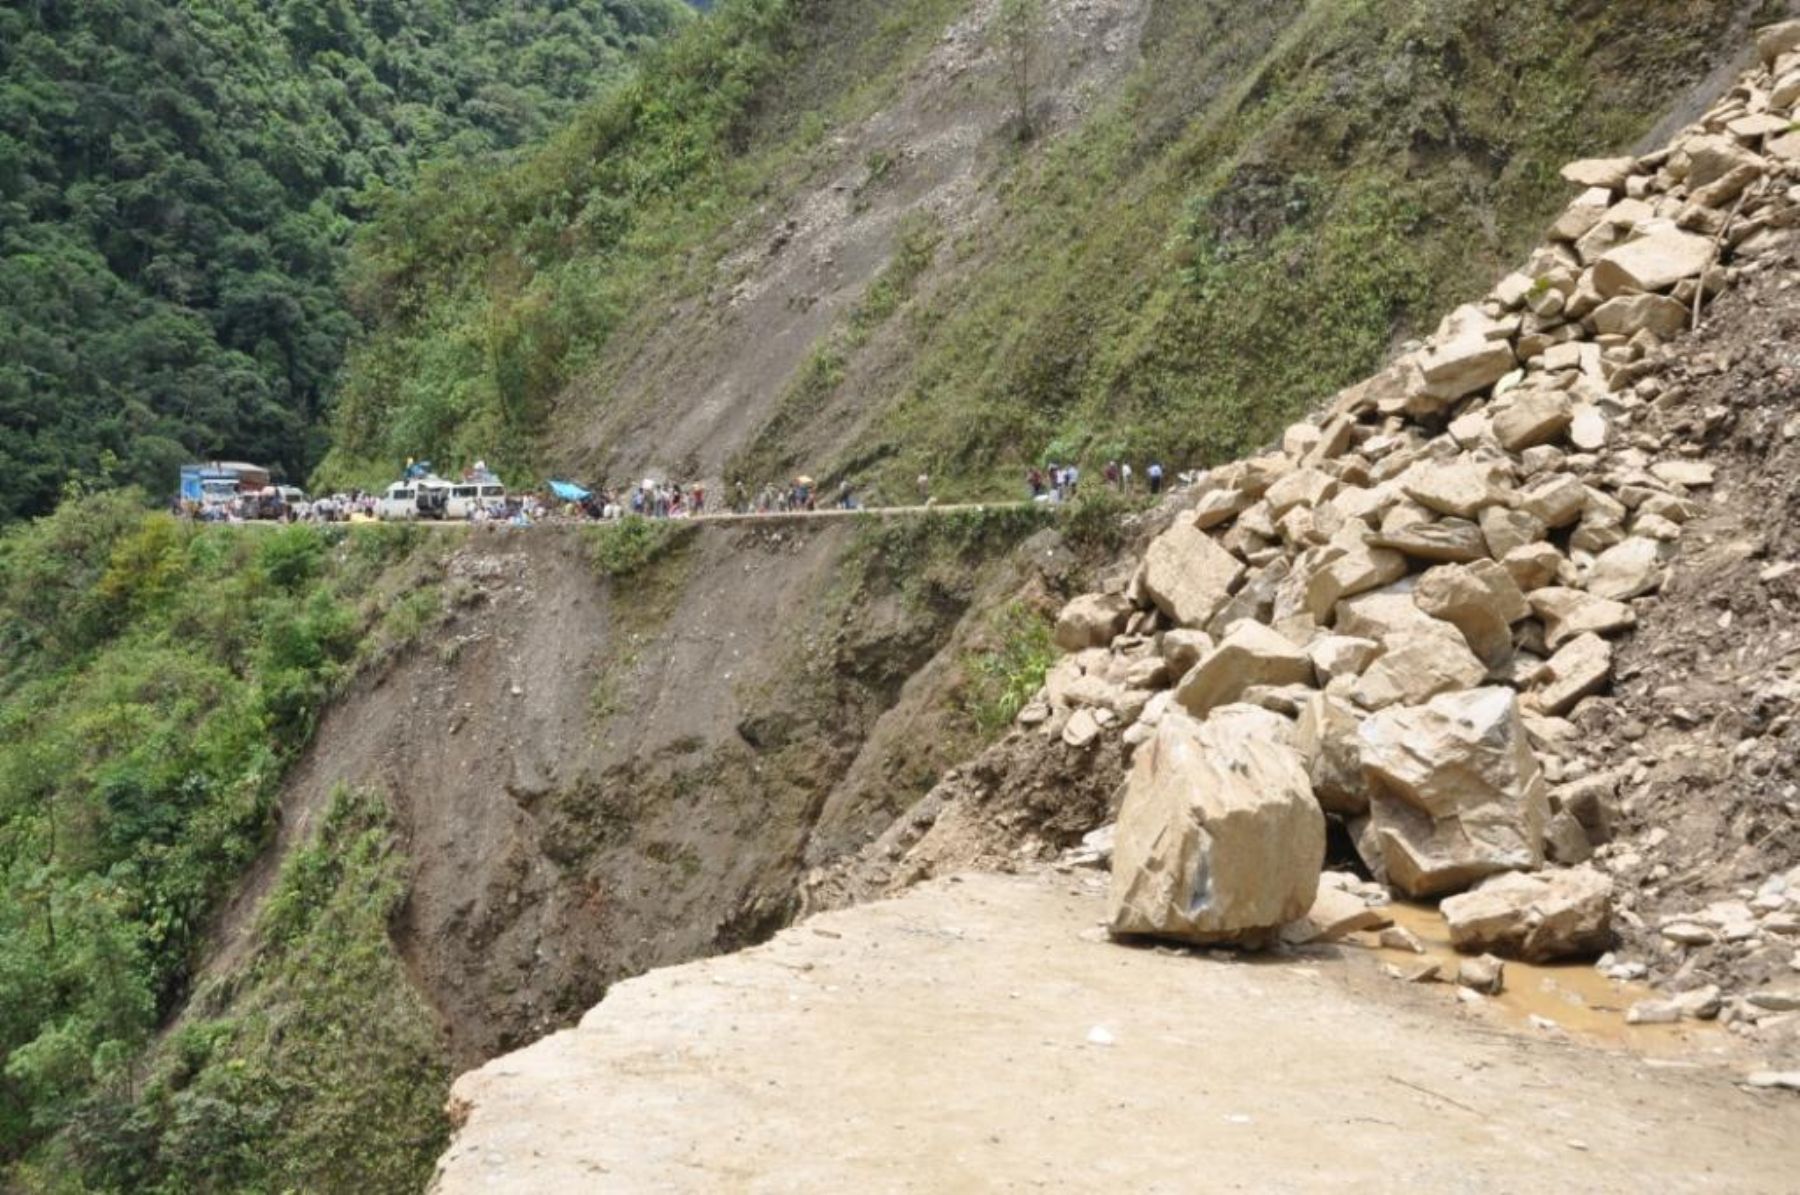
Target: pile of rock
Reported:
[(1386, 621)]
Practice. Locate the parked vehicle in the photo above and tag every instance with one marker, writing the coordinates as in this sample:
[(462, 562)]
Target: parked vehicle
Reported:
[(466, 497), (416, 498), (216, 483)]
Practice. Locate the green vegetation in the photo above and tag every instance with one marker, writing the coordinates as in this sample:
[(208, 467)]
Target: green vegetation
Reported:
[(1274, 199), (930, 562), (493, 291), (631, 545), (317, 1067), (1009, 667), (1282, 193), (155, 679), (178, 181), (1021, 32)]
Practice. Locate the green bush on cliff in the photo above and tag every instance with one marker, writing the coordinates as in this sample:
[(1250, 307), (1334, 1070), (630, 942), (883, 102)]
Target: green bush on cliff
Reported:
[(155, 678), (320, 1068)]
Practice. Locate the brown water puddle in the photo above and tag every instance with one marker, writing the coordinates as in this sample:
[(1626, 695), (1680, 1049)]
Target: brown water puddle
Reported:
[(1581, 1001)]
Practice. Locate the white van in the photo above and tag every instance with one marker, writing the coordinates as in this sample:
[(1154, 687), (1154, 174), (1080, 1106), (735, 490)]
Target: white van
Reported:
[(417, 498), (466, 497), (398, 501)]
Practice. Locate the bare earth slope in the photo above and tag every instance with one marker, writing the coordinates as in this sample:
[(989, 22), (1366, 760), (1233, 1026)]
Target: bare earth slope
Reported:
[(978, 1034), (594, 776)]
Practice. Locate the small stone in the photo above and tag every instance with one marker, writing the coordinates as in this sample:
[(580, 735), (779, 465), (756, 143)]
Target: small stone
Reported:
[(1653, 1012), (1485, 974), (1398, 937), (1765, 1080), (1607, 173), (1082, 729), (1776, 999), (1702, 1004), (1686, 933), (1691, 474)]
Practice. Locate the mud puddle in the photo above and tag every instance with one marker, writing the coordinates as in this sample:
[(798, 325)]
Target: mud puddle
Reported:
[(1574, 996)]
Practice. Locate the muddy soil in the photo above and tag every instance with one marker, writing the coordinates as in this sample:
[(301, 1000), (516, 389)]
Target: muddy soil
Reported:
[(1703, 729), (981, 1034)]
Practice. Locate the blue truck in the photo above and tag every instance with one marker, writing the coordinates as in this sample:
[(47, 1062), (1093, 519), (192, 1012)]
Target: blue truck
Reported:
[(218, 482)]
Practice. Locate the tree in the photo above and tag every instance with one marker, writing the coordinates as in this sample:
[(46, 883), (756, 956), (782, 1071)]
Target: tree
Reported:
[(1021, 28)]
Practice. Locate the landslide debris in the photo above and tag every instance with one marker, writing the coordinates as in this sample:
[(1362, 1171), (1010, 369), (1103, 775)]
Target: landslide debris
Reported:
[(1517, 611)]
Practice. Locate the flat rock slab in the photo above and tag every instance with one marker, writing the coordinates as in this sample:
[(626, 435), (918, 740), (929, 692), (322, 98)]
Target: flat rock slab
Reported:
[(978, 1035)]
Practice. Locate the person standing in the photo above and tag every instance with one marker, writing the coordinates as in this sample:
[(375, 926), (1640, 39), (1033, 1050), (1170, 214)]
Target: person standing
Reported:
[(1125, 477), (924, 489), (1155, 474)]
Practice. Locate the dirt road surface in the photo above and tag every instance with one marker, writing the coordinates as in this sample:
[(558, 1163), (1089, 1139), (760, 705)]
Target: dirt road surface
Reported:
[(979, 1034)]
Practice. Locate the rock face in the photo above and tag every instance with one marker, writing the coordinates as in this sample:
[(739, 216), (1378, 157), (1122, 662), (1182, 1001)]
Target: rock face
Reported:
[(1455, 791), (1219, 838), (1559, 914)]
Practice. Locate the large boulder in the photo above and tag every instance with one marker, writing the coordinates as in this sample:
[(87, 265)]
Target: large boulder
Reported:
[(1713, 156), (1325, 736), (1251, 654), (1091, 620), (1377, 615), (1607, 173), (1534, 417), (1481, 600), (1627, 570), (1219, 838), (1459, 488), (1189, 576), (1652, 263), (1344, 568), (1549, 915), (1569, 613), (1464, 365), (1456, 540), (1455, 792), (1628, 315), (1773, 41), (1417, 664), (1581, 666)]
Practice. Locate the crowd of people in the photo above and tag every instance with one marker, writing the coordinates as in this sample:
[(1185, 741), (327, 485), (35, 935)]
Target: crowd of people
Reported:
[(651, 498), (1061, 483)]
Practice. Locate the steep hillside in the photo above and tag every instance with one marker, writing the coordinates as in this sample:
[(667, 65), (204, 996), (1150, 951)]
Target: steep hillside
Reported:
[(297, 823), (154, 682), (819, 235), (1440, 731), (263, 792), (177, 184)]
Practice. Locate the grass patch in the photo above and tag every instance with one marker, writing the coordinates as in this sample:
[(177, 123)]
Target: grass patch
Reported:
[(631, 546), (1005, 672)]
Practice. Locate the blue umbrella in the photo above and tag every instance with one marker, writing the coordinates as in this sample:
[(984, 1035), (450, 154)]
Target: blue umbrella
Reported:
[(568, 491)]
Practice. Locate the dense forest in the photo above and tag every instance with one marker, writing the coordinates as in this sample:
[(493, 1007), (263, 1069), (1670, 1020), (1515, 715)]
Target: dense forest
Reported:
[(178, 183)]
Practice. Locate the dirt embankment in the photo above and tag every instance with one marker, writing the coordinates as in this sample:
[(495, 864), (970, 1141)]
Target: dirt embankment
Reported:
[(595, 776), (1701, 735)]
